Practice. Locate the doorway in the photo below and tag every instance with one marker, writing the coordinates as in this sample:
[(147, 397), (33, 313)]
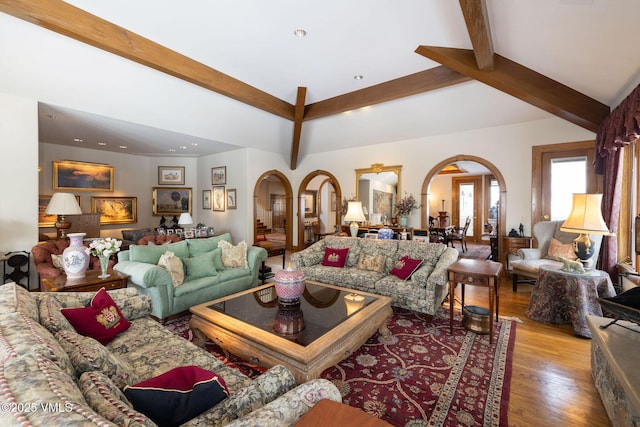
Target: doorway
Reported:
[(276, 183), (466, 193), (278, 212)]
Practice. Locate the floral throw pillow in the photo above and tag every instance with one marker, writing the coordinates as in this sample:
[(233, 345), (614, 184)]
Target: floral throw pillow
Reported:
[(371, 262), (170, 262), (234, 256), (558, 250), (335, 257), (405, 267)]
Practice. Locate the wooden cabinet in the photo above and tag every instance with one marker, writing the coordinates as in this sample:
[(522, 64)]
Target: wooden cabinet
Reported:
[(511, 245), (85, 223)]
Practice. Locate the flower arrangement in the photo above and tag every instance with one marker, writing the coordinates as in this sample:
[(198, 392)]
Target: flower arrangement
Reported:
[(104, 247), (406, 205)]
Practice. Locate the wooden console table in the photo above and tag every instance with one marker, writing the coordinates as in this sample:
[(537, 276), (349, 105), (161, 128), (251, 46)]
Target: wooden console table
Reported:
[(89, 283)]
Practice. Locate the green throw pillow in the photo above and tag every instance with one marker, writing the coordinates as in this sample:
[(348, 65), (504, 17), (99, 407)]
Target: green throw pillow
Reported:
[(151, 253), (200, 266)]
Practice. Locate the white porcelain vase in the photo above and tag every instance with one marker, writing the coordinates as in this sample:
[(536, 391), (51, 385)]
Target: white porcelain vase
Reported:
[(75, 258)]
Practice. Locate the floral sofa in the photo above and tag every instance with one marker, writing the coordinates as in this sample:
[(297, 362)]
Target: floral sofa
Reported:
[(424, 291), (205, 277), (53, 376)]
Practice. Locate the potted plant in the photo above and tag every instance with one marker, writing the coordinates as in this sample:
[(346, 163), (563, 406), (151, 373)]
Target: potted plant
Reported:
[(404, 207)]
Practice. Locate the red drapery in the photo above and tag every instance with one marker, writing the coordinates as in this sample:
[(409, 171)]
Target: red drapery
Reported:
[(618, 130)]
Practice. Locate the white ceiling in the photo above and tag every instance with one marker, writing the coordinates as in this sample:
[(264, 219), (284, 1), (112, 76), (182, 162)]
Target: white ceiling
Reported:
[(85, 93)]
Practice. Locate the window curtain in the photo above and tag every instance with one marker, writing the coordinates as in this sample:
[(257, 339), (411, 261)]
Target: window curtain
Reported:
[(619, 129)]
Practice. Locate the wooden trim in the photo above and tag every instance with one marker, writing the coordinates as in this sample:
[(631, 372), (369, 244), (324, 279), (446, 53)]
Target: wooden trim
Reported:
[(524, 84), (297, 126), (477, 20)]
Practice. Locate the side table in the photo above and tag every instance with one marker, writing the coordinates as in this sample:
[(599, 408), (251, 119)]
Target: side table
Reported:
[(89, 283), (561, 297), (273, 249), (476, 273), (511, 245)]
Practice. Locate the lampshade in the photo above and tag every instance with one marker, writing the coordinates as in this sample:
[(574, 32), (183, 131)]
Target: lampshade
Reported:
[(185, 218), (354, 212), (586, 216), (63, 204)]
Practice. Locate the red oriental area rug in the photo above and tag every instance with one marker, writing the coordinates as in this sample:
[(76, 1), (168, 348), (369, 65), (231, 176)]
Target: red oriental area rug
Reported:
[(425, 376), (419, 375)]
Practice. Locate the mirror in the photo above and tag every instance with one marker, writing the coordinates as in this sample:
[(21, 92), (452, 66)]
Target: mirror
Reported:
[(378, 188)]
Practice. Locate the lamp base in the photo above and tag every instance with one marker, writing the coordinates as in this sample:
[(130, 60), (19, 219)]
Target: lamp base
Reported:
[(62, 225), (354, 229), (584, 249)]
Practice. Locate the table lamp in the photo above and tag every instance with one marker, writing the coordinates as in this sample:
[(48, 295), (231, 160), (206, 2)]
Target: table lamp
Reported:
[(63, 204), (355, 215), (585, 218), (185, 219)]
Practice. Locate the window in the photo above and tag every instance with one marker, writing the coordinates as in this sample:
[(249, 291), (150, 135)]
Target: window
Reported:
[(568, 176)]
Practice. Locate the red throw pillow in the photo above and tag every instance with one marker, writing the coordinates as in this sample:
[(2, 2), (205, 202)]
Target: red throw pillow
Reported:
[(405, 267), (100, 320), (178, 395), (335, 257)]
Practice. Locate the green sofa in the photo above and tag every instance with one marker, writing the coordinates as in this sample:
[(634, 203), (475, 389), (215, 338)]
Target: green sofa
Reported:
[(205, 277)]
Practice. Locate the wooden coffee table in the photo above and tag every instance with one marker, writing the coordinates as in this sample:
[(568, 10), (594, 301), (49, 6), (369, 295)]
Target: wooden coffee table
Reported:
[(89, 283), (244, 323)]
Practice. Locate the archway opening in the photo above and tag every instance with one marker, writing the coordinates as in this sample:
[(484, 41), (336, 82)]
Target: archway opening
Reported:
[(273, 208), (319, 196)]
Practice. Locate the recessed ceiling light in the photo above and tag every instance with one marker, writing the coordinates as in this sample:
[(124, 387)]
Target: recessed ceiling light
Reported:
[(183, 147), (77, 140), (358, 77), (172, 150), (52, 116), (123, 146), (194, 144), (102, 143), (299, 32)]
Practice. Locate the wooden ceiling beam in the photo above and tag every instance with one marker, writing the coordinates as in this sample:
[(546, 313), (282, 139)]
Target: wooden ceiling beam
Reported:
[(477, 20), (423, 81), (63, 18), (524, 84), (297, 125)]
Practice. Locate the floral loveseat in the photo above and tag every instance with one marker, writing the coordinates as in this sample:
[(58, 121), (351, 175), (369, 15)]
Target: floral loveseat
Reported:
[(205, 277), (424, 291), (53, 376)]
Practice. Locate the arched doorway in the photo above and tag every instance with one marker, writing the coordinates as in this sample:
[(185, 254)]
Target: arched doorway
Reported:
[(259, 203), (330, 179), (502, 204)]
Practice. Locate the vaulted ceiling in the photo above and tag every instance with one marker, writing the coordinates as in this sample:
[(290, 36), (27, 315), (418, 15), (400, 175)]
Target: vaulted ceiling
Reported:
[(203, 77)]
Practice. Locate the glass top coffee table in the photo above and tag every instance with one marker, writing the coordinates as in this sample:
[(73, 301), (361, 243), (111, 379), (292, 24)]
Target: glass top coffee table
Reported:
[(326, 326)]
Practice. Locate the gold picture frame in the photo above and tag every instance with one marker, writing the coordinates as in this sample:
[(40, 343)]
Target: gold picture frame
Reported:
[(171, 175), (171, 201), (80, 176), (115, 210)]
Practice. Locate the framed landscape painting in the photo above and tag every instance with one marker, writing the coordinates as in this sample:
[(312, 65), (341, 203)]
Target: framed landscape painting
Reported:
[(80, 176), (115, 210), (171, 201), (170, 175)]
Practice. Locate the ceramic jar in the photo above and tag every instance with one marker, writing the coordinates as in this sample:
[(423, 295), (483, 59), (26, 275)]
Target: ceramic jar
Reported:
[(289, 283), (75, 258), (385, 233)]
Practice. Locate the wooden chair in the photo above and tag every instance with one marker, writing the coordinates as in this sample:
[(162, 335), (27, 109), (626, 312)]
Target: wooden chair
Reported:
[(459, 234)]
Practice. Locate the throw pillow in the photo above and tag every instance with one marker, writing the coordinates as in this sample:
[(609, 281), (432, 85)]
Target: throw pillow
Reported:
[(558, 250), (173, 265), (405, 267), (234, 256), (172, 398), (101, 320), (57, 261), (335, 257), (371, 262), (200, 266)]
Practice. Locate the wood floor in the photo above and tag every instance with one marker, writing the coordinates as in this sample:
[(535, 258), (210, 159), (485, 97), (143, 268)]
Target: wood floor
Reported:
[(551, 383)]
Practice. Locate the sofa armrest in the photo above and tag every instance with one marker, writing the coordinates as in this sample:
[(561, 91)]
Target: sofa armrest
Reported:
[(288, 408), (529, 253), (255, 257), (311, 255), (144, 275), (440, 275)]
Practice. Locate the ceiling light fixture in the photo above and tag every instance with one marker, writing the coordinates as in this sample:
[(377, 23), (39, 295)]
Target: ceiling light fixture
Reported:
[(77, 140), (102, 144), (299, 33), (123, 146), (358, 77), (172, 150)]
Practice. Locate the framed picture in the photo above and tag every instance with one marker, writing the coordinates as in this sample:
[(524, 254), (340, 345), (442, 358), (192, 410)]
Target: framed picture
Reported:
[(333, 201), (79, 176), (219, 175), (206, 199), (169, 231), (171, 201), (161, 231), (231, 199), (189, 234), (170, 175), (310, 203), (45, 220), (218, 198), (115, 210)]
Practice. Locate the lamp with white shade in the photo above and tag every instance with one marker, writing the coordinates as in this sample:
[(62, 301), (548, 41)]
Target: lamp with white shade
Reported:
[(355, 215), (63, 204), (586, 218), (185, 219)]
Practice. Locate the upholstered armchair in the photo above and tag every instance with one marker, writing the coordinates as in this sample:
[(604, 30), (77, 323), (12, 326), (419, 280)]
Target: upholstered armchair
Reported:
[(531, 260)]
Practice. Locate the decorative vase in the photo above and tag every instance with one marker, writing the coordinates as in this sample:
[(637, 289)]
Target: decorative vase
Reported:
[(104, 264), (289, 284), (75, 258), (402, 221), (385, 233)]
